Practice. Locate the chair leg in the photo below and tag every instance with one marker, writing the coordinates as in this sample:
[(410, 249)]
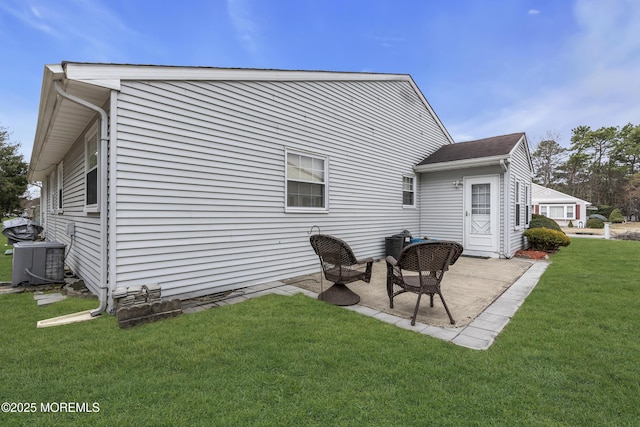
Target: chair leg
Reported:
[(453, 322), (339, 294), (415, 312)]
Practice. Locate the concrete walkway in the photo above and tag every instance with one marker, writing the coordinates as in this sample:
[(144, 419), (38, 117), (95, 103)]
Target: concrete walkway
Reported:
[(477, 335)]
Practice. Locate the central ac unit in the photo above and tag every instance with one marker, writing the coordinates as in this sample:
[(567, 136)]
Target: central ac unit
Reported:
[(37, 263)]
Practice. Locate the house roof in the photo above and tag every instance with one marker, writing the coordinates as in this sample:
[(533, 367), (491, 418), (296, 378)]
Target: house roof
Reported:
[(544, 195), (62, 118), (480, 152), (487, 147)]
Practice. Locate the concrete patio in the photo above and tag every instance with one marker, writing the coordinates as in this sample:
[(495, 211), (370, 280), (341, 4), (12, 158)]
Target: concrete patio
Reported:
[(482, 294)]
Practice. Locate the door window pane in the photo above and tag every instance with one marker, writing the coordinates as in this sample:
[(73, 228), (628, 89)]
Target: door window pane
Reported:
[(481, 199)]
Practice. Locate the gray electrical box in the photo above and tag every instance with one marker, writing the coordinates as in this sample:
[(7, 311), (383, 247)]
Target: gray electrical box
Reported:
[(37, 263)]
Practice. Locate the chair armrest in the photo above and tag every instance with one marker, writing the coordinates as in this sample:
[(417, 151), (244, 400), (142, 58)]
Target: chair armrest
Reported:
[(364, 261), (391, 260)]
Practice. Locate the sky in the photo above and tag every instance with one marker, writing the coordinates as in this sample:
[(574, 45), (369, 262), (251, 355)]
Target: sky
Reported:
[(487, 68)]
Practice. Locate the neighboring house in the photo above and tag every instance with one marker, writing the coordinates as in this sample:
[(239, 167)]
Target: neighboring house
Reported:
[(559, 206), (478, 193), (206, 179)]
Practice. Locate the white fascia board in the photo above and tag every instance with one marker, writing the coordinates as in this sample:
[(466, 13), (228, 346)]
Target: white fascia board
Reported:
[(107, 74), (46, 110), (462, 164)]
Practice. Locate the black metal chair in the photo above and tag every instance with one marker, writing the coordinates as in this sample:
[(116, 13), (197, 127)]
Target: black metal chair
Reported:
[(341, 267), (420, 268)]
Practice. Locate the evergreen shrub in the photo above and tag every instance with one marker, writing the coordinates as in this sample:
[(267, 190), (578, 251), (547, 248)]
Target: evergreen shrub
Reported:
[(595, 223), (616, 216), (545, 239), (541, 221)]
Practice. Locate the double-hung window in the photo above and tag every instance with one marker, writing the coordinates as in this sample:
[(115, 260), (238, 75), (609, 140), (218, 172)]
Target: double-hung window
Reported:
[(306, 187), (518, 203), (527, 203), (51, 193), (408, 191), (91, 183), (569, 211), (60, 189)]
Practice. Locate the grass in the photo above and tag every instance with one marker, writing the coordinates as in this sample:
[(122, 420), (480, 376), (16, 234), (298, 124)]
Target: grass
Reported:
[(5, 263), (568, 357)]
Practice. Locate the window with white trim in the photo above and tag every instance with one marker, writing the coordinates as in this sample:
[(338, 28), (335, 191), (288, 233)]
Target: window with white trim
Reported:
[(51, 191), (91, 183), (569, 212), (527, 203), (561, 212), (60, 189), (518, 202), (306, 187), (408, 191)]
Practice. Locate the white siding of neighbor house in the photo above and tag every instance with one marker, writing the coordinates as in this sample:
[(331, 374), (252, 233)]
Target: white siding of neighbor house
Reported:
[(546, 196), (200, 176), (520, 170), (83, 253)]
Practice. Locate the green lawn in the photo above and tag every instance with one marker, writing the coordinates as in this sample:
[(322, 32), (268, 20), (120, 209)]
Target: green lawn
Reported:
[(569, 357)]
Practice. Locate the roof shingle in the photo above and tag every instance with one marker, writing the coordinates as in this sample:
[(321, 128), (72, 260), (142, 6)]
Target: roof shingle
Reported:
[(487, 147)]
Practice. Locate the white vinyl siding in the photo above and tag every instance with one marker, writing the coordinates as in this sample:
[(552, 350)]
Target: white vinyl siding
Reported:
[(441, 206), (201, 176), (83, 252), (520, 170)]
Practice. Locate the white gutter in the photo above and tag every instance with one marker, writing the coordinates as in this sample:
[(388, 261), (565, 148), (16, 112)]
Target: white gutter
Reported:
[(465, 163), (104, 138)]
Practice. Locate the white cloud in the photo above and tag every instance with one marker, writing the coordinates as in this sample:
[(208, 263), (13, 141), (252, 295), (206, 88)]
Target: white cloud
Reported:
[(90, 26), (29, 14), (244, 23), (601, 88), (533, 12)]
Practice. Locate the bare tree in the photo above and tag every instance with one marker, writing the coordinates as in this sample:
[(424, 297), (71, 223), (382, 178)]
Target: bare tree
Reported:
[(547, 156)]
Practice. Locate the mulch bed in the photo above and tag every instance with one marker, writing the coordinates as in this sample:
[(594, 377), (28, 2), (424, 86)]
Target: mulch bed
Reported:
[(532, 254)]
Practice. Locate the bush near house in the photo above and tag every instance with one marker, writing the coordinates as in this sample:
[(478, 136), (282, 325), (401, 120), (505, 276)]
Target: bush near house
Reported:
[(541, 221), (545, 239), (595, 223), (616, 216)]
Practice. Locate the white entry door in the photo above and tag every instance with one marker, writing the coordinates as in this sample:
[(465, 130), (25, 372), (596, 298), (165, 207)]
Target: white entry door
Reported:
[(481, 215)]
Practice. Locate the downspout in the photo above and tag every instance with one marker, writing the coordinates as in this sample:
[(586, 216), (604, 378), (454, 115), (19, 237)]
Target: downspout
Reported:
[(507, 205), (104, 139)]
